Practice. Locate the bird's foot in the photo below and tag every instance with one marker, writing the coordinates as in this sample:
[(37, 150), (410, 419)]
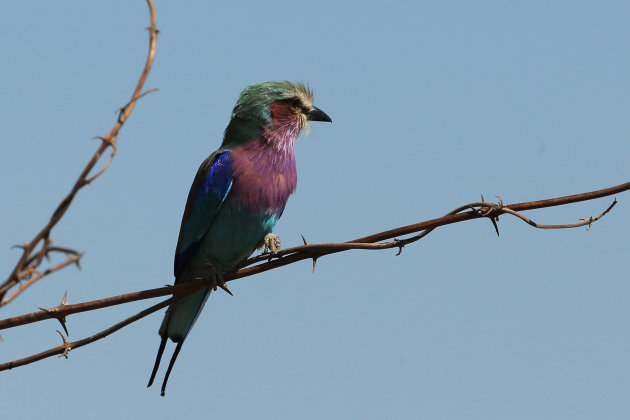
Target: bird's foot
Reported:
[(272, 243)]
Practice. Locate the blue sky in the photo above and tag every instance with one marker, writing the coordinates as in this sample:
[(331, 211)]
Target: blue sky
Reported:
[(433, 104)]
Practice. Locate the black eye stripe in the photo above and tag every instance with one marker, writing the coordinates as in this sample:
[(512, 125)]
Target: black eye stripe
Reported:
[(295, 102)]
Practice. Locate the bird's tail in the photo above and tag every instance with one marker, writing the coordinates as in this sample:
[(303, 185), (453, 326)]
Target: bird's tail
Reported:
[(178, 320)]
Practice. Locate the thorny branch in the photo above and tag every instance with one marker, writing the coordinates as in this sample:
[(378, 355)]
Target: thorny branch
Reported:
[(26, 271), (382, 240), (63, 349)]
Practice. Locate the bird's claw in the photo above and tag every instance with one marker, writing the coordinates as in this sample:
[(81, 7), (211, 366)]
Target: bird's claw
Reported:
[(272, 243)]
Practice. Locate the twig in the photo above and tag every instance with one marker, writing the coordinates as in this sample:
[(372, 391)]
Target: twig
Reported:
[(584, 222), (71, 260)]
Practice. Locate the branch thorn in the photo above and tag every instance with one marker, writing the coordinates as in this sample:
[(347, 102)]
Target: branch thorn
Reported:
[(78, 261), (111, 141), (66, 345), (494, 223), (224, 287), (590, 222), (61, 319), (154, 29)]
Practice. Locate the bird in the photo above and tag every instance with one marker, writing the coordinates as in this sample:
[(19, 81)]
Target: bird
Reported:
[(236, 198)]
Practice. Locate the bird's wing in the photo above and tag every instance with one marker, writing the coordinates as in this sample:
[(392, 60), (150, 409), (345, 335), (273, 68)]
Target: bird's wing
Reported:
[(207, 194)]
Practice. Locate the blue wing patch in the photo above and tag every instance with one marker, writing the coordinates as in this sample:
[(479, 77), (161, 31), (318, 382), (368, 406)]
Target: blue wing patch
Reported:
[(218, 181), (207, 194)]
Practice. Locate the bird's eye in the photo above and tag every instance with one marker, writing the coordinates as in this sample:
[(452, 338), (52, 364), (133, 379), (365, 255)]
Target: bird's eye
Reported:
[(295, 102)]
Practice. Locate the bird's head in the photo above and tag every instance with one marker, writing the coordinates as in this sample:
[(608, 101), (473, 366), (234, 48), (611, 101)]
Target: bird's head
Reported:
[(274, 111)]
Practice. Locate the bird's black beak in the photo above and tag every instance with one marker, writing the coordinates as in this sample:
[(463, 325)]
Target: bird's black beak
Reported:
[(317, 114)]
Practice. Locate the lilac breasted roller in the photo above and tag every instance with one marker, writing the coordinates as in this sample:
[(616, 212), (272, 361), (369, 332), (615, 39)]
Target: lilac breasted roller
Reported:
[(237, 196)]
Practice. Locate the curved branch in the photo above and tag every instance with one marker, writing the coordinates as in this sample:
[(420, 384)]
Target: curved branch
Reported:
[(26, 266), (288, 256), (315, 251)]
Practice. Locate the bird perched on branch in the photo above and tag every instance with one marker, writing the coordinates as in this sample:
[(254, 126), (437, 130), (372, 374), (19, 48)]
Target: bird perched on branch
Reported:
[(237, 196)]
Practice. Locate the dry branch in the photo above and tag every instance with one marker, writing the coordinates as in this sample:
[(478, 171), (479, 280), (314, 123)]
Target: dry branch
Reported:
[(26, 271), (382, 240), (65, 348)]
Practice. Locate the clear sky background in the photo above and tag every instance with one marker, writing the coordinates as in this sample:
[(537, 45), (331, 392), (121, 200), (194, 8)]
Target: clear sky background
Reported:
[(433, 104)]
